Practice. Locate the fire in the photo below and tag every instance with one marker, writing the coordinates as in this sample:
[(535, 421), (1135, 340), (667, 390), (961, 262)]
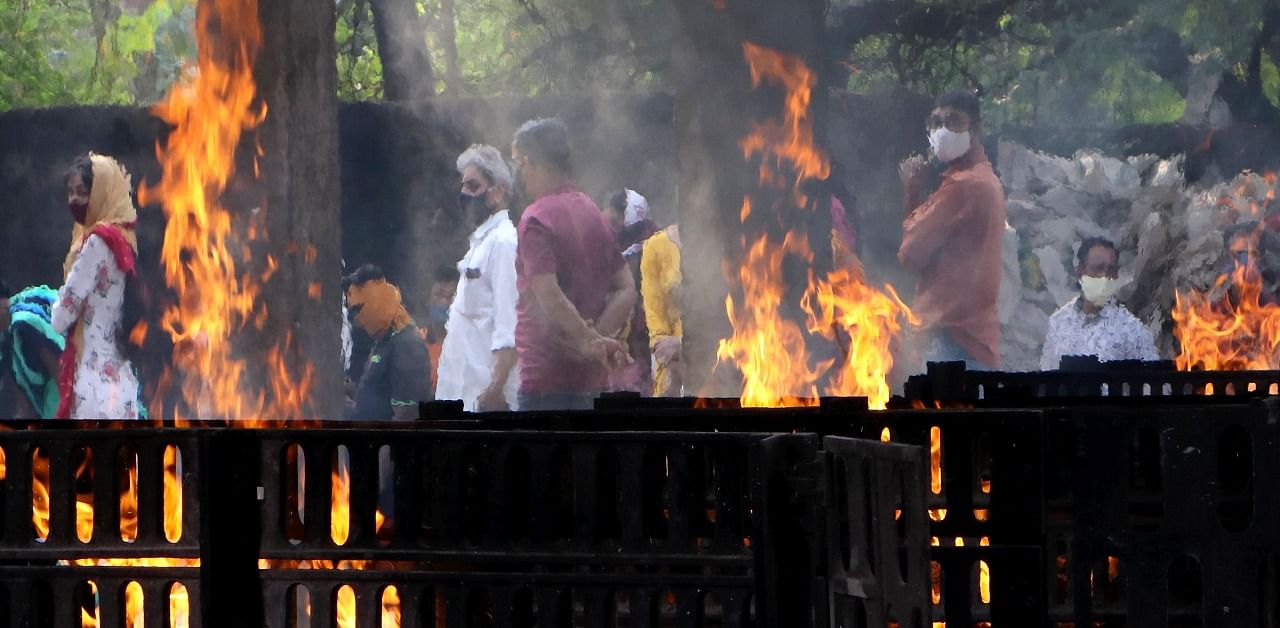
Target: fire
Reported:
[(390, 608), (1230, 334), (40, 494), (89, 616), (340, 503), (770, 350), (209, 110), (129, 505), (346, 607)]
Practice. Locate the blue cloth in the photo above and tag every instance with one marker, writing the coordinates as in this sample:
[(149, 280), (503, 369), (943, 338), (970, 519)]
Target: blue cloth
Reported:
[(31, 333)]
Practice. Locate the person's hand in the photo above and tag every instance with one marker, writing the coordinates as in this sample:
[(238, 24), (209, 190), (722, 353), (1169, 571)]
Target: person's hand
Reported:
[(666, 349), (492, 400), (912, 171), (606, 351)]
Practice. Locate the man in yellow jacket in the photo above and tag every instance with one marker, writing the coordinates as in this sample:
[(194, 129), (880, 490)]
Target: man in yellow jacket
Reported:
[(660, 288)]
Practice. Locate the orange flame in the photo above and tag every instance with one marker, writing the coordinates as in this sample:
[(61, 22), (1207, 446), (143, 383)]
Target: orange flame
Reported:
[(346, 607), (340, 503), (89, 616), (129, 505), (210, 109), (768, 349), (390, 608), (40, 494), (1231, 334), (133, 617)]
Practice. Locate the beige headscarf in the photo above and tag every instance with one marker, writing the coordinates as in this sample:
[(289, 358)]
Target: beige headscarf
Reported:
[(109, 204)]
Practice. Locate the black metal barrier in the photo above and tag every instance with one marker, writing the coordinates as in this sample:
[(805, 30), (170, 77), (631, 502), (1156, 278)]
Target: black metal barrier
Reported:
[(1084, 380), (447, 528)]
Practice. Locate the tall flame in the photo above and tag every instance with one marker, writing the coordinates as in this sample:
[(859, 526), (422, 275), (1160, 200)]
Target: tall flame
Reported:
[(1228, 334), (770, 350), (202, 255)]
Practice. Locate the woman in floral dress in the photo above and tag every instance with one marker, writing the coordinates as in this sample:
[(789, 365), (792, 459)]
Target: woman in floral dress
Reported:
[(95, 378)]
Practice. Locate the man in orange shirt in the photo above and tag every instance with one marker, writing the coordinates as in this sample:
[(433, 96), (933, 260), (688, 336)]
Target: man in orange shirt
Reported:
[(953, 239)]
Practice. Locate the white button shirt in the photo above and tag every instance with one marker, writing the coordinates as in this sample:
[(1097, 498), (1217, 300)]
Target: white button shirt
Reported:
[(482, 318)]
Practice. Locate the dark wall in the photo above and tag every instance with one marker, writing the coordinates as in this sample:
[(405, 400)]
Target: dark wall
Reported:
[(399, 182), (398, 178)]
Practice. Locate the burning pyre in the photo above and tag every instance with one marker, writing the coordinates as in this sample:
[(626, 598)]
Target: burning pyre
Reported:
[(770, 350)]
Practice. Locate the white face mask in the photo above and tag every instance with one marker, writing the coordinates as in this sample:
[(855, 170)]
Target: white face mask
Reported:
[(947, 144), (1098, 290)]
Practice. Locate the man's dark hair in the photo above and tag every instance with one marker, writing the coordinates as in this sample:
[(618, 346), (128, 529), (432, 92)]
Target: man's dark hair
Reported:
[(5, 290), (962, 100), (445, 274), (1245, 228), (364, 274), (1089, 244), (83, 166), (546, 141), (618, 201)]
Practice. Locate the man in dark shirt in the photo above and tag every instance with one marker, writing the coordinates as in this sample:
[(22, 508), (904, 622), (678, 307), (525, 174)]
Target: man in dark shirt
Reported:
[(575, 289), (397, 376)]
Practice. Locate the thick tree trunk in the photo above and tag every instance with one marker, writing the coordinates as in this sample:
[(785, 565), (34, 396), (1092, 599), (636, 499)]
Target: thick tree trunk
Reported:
[(297, 78), (449, 39), (402, 46), (715, 106)]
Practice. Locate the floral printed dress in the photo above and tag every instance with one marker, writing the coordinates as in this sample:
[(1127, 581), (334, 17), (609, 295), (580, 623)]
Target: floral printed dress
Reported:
[(105, 386)]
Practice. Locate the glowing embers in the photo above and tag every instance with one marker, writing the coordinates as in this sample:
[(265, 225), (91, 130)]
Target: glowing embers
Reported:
[(768, 346), (206, 255)]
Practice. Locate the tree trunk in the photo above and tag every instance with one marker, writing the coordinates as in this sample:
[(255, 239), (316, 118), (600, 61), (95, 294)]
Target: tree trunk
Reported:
[(449, 39), (402, 46), (297, 77)]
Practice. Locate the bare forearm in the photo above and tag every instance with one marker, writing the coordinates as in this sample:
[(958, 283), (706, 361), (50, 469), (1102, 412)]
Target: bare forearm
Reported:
[(503, 361), (563, 317), (616, 310)]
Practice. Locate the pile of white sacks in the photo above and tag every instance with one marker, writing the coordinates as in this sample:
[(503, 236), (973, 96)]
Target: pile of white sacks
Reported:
[(1169, 235)]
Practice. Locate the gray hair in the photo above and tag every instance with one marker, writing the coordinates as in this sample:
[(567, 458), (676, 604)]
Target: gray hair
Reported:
[(489, 161)]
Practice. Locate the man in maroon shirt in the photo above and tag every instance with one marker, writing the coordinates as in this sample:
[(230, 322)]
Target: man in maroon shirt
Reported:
[(575, 289)]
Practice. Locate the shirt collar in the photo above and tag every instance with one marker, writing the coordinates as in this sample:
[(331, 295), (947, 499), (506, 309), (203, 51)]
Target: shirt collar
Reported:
[(976, 155), (1102, 311), (489, 225)]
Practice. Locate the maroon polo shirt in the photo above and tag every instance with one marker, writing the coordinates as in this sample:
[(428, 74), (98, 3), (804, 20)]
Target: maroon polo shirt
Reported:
[(565, 234)]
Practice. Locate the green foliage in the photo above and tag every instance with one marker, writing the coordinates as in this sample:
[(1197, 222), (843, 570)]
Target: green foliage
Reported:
[(359, 66), (62, 52), (1068, 64)]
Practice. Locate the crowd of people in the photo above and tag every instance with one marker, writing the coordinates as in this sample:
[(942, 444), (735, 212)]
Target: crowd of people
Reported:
[(573, 300)]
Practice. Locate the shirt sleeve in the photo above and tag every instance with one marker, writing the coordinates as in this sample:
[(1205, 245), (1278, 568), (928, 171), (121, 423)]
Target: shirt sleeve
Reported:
[(934, 222), (410, 372), (655, 264), (1049, 357), (1145, 348), (502, 273), (537, 254), (90, 263)]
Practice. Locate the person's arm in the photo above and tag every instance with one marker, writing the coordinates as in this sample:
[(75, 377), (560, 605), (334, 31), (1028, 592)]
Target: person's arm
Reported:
[(1146, 345), (410, 378), (657, 267), (936, 221), (1049, 357), (93, 258), (913, 171), (568, 325), (619, 305), (501, 269)]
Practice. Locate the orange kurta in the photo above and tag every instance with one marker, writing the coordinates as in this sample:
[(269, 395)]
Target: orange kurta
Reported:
[(954, 240)]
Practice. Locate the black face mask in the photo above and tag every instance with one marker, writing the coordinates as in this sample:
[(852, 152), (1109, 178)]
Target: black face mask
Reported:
[(474, 208)]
